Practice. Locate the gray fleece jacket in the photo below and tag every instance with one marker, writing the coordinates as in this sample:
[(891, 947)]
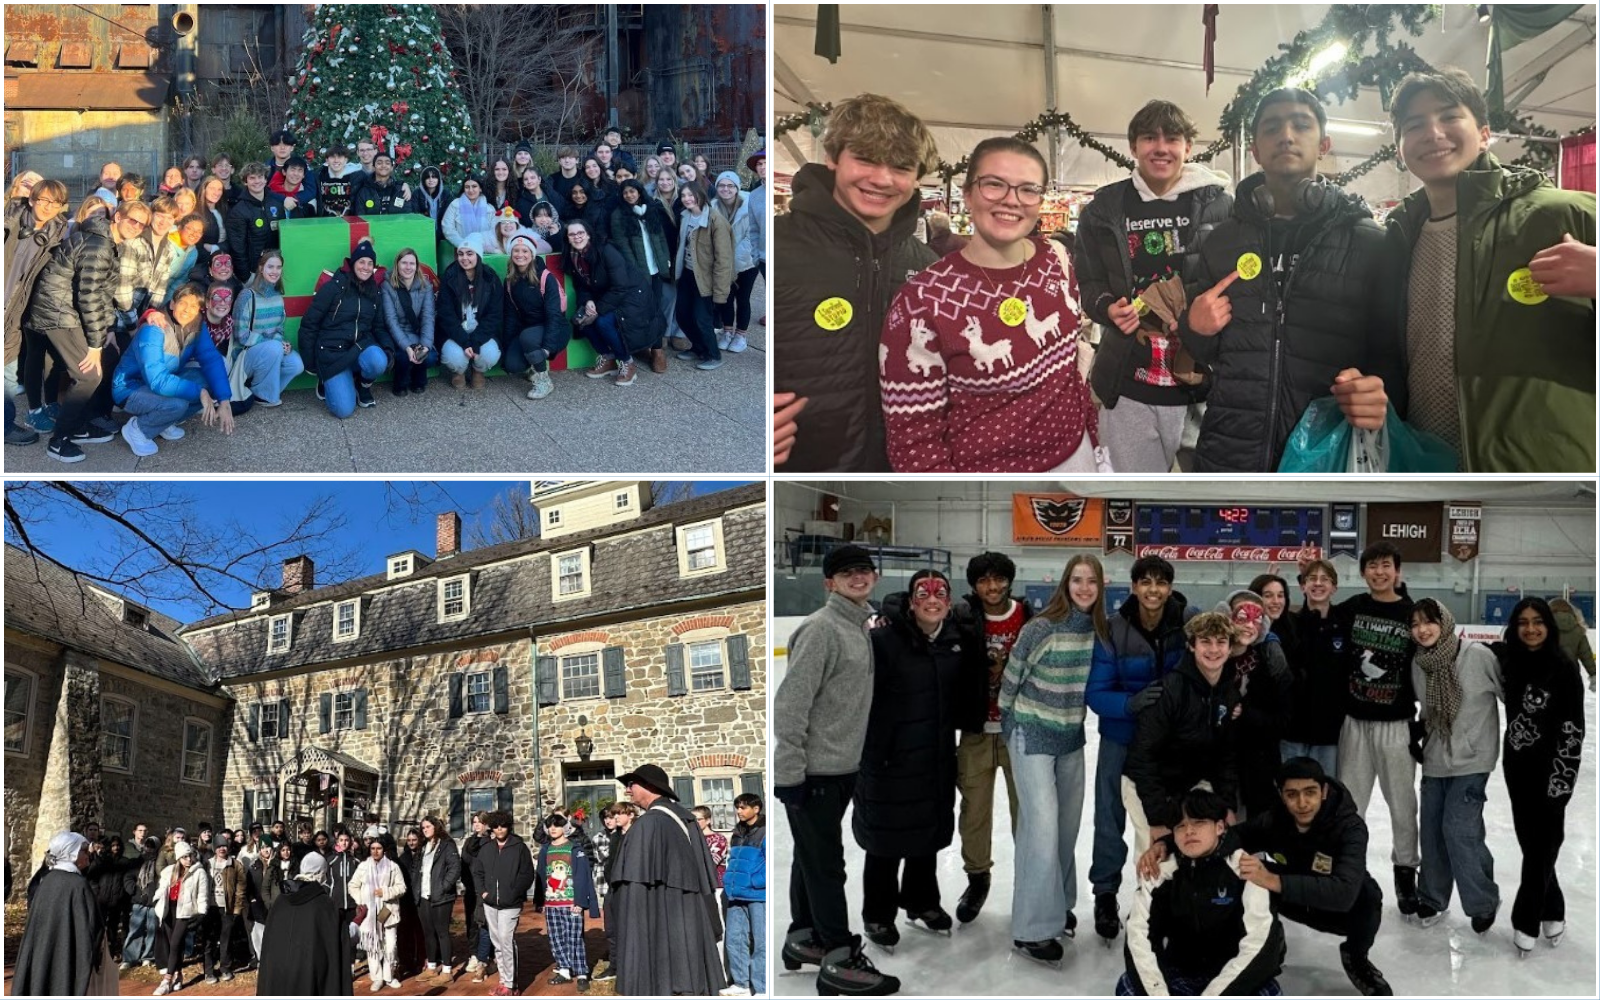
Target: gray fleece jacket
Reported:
[(1474, 743), (820, 712)]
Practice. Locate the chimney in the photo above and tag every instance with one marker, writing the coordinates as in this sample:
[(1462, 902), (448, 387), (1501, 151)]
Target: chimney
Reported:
[(447, 538), (299, 575)]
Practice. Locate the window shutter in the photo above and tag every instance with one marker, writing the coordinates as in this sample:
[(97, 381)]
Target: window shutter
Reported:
[(361, 708), (752, 783), (502, 800), (253, 726), (739, 662), (549, 689), (249, 807), (684, 787), (502, 697), (677, 684), (616, 673), (327, 713), (458, 813), (283, 719), (456, 680)]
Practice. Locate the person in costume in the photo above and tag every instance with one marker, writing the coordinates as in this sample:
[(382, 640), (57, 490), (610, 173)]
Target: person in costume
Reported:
[(306, 950), (64, 950)]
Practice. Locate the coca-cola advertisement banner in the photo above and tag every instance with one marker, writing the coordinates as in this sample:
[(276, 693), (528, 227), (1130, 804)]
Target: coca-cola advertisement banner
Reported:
[(1223, 553)]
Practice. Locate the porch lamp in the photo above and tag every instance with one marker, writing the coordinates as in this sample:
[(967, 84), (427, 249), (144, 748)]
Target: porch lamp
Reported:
[(584, 744)]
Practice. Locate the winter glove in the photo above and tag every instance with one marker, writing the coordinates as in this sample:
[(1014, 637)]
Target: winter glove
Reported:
[(1419, 739), (793, 796), (1143, 699)]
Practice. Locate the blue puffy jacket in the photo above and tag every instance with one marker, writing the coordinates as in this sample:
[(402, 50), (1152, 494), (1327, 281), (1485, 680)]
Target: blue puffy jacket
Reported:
[(147, 365), (1129, 663), (745, 881)]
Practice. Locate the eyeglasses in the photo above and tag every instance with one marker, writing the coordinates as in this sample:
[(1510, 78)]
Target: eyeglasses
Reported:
[(996, 190)]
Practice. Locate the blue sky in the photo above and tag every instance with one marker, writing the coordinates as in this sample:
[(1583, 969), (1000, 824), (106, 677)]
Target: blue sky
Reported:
[(376, 524)]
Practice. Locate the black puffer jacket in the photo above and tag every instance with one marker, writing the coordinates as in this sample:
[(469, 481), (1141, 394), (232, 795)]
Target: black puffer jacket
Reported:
[(1184, 738), (1321, 669), (487, 296), (535, 303), (1322, 868), (342, 322), (442, 877), (1278, 354), (505, 873), (628, 236), (74, 288), (253, 229), (371, 198), (39, 243), (905, 796), (616, 286), (1105, 274), (841, 428)]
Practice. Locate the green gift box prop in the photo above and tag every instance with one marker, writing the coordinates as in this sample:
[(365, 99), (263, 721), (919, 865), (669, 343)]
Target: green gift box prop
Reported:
[(314, 246)]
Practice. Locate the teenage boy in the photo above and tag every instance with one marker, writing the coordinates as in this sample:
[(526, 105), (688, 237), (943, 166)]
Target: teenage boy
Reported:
[(502, 872), (382, 193), (1500, 363), (744, 900), (992, 619), (563, 890), (366, 149), (222, 166), (1131, 235), (253, 221), (1290, 306), (283, 143), (290, 184), (1146, 643), (563, 182), (850, 234), (1199, 928), (336, 180), (820, 727), (1320, 672)]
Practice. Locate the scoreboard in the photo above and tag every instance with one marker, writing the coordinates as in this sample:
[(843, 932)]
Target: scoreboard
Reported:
[(1228, 532)]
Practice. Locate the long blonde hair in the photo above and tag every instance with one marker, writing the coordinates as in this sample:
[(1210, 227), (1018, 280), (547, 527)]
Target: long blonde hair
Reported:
[(1061, 605)]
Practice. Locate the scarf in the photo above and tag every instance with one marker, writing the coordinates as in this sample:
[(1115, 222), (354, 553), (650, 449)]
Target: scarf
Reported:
[(1443, 697), (475, 218), (62, 855), (371, 926), (686, 233)]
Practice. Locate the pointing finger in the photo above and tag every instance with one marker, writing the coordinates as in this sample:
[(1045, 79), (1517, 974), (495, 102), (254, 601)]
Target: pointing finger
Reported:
[(1222, 285)]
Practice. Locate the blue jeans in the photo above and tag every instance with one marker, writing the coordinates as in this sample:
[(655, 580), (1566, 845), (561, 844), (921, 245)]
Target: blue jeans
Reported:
[(1050, 800), (607, 339), (454, 357), (1326, 754), (746, 941), (539, 342), (141, 943), (270, 369), (156, 412), (1110, 818), (1453, 845), (341, 388)]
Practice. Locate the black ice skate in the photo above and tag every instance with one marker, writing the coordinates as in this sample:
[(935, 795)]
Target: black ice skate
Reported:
[(1107, 921), (1070, 929), (1046, 952), (1364, 974), (1405, 889), (934, 921), (885, 936), (972, 900), (1481, 925), (801, 948), (848, 972)]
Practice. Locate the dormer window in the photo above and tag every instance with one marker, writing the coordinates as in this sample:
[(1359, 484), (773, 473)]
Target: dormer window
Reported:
[(260, 599), (700, 549), (455, 598), (278, 634), (552, 517), (623, 501), (134, 615), (346, 620), (569, 573), (401, 565)]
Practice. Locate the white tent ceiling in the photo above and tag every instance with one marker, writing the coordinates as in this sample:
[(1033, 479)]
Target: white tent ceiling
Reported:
[(972, 71)]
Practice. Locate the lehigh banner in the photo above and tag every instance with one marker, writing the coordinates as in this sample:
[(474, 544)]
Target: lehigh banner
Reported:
[(1415, 528), (1464, 521), (1056, 519)]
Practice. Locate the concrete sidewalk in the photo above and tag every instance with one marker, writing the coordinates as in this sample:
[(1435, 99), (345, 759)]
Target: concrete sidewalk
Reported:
[(685, 421)]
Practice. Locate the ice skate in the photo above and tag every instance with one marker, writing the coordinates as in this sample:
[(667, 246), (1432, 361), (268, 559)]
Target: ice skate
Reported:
[(1045, 952), (972, 900), (1427, 916), (934, 921), (849, 972), (1524, 943), (1107, 921), (1481, 925), (1070, 929), (801, 948), (885, 936), (1364, 975), (1554, 931), (1405, 889)]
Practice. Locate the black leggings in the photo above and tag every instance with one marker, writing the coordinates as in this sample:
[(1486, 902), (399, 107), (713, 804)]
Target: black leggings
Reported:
[(735, 313), (436, 931), (171, 936), (64, 349)]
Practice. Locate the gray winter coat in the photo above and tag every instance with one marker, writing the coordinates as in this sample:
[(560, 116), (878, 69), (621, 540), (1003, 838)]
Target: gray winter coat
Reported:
[(822, 705)]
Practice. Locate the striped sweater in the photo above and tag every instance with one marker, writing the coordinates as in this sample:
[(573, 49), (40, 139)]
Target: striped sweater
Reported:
[(1042, 690)]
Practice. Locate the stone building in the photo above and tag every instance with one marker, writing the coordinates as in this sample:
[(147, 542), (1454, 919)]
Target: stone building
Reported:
[(525, 675)]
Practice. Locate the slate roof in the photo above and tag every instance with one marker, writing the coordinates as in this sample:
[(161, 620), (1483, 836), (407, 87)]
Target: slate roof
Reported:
[(56, 604), (635, 570)]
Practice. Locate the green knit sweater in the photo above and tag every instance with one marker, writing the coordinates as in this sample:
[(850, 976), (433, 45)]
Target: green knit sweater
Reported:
[(1042, 690)]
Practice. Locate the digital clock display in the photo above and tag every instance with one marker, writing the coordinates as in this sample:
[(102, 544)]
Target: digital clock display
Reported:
[(1215, 524)]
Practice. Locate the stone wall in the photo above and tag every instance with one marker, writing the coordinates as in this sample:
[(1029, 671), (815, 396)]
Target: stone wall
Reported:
[(24, 773), (155, 793)]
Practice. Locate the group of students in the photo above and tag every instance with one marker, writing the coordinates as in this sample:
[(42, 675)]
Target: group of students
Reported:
[(1253, 731), (1469, 314), (173, 306)]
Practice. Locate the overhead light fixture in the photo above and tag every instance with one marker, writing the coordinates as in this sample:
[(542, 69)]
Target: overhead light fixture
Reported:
[(1327, 57), (1483, 13), (1347, 127)]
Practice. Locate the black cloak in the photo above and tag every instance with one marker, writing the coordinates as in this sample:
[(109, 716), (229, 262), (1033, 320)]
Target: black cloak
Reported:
[(664, 900), (306, 950), (62, 943)]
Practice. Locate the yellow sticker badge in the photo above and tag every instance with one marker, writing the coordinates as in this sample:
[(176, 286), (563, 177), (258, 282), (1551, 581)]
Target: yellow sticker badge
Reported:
[(1013, 311), (1524, 289), (834, 314), (1140, 306), (260, 223), (1248, 266)]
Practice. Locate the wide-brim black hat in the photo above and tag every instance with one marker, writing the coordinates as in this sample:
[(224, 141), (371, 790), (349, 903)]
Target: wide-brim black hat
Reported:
[(651, 777)]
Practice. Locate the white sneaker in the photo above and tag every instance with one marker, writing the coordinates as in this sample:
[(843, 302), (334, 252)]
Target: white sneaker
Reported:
[(173, 433), (472, 963), (143, 447), (542, 386), (723, 338), (377, 984), (737, 344), (394, 984), (734, 991), (164, 988), (1554, 931)]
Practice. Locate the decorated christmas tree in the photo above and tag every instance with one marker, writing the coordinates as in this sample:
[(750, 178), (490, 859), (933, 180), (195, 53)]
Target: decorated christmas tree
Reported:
[(381, 72)]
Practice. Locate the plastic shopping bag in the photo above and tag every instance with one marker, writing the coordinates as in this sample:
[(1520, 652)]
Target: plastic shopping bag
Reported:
[(1323, 441)]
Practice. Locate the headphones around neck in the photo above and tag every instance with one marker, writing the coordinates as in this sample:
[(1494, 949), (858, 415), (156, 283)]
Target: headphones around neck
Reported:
[(1311, 195)]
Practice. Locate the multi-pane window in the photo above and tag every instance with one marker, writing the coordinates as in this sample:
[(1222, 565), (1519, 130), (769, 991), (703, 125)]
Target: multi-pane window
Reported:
[(116, 734), (344, 710), (19, 707), (706, 671), (479, 696), (344, 620), (700, 542), (580, 676), (278, 638), (622, 501), (453, 597), (717, 793), (399, 566), (481, 800), (269, 720), (196, 751), (552, 517), (266, 805), (570, 571)]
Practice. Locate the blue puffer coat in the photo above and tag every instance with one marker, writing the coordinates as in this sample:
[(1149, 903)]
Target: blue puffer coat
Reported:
[(745, 881), (1129, 663)]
